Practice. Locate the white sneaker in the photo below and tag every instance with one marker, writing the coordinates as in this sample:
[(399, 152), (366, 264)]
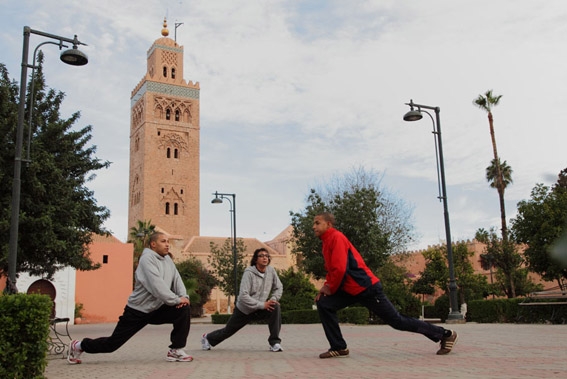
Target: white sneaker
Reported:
[(205, 342), (276, 347), (178, 355), (74, 353)]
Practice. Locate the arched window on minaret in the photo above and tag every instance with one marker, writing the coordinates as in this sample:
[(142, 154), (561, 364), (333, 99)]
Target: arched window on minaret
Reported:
[(175, 208), (177, 115), (169, 152), (164, 72), (175, 153), (168, 114), (173, 73), (166, 208)]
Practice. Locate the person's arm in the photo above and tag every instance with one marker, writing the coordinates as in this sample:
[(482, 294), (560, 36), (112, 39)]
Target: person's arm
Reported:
[(149, 277), (277, 287)]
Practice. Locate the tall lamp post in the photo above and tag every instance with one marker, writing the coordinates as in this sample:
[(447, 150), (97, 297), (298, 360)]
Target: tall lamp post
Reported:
[(218, 200), (73, 57), (415, 115)]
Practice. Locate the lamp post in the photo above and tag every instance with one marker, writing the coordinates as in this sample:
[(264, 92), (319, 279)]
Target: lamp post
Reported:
[(415, 115), (73, 57), (218, 200)]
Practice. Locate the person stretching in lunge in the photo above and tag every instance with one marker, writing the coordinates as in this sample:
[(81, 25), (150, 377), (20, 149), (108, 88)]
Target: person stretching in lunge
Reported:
[(350, 281), (260, 291), (159, 297)]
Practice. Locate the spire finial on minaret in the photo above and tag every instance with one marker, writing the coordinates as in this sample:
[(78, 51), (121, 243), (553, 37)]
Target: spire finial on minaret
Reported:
[(164, 31)]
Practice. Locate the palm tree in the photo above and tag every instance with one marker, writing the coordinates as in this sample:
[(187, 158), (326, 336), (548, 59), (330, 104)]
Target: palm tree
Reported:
[(492, 174), (139, 235), (486, 102)]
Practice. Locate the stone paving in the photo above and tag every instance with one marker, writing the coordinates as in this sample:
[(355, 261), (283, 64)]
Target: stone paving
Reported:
[(376, 351)]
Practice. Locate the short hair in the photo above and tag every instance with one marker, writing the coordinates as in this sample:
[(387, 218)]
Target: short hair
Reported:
[(327, 216), (154, 236), (255, 256)]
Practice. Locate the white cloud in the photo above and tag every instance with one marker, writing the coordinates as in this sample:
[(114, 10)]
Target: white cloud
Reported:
[(292, 92)]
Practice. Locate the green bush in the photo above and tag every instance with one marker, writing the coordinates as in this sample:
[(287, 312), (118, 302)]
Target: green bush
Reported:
[(23, 335), (299, 292), (510, 310)]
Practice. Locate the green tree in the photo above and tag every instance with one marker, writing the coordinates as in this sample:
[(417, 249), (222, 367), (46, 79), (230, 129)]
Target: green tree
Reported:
[(472, 286), (299, 292), (486, 103), (221, 261), (541, 221), (397, 286), (196, 275), (436, 272), (374, 221), (58, 213), (492, 174), (504, 256), (139, 236)]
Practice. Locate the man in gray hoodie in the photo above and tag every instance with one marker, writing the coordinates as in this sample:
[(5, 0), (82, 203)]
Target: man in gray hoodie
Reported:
[(159, 297), (260, 291)]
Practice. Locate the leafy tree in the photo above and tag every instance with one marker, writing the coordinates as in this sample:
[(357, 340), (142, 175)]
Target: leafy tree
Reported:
[(58, 213), (139, 236), (196, 276), (397, 287), (539, 223), (436, 272), (375, 222), (504, 256), (299, 292), (472, 286), (486, 103), (221, 261)]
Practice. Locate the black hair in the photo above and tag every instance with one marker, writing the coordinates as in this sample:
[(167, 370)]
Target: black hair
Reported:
[(255, 256)]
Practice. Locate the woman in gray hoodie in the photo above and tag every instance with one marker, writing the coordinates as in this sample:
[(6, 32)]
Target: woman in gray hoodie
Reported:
[(258, 299)]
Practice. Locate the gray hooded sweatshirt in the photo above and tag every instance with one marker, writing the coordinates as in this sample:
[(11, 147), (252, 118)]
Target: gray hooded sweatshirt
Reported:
[(157, 282), (256, 287)]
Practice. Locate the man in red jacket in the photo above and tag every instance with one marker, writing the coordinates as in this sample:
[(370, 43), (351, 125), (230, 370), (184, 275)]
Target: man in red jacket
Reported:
[(350, 281)]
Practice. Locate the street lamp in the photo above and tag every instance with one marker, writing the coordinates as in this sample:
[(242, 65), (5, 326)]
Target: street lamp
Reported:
[(415, 115), (73, 57), (218, 200)]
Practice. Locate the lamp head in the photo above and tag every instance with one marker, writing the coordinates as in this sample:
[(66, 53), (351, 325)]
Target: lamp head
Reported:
[(216, 200), (74, 56), (413, 115)]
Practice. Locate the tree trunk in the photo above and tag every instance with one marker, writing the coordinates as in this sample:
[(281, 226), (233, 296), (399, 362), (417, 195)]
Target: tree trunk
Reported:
[(499, 180)]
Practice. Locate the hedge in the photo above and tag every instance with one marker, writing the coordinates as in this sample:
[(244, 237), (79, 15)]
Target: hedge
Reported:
[(24, 329)]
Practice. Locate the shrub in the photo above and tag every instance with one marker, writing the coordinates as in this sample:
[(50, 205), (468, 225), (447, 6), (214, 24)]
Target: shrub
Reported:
[(23, 335)]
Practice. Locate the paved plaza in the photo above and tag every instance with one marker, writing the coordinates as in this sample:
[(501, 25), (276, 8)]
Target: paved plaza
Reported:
[(376, 351)]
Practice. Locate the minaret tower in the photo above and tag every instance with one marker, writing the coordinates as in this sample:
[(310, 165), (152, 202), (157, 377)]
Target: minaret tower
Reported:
[(164, 144)]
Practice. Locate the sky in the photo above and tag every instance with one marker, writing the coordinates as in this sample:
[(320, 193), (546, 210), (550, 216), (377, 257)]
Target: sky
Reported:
[(294, 93)]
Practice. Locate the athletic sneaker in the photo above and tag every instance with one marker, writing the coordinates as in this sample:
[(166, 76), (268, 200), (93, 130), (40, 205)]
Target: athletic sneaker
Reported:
[(205, 342), (178, 355), (74, 353), (276, 347), (447, 343), (334, 353)]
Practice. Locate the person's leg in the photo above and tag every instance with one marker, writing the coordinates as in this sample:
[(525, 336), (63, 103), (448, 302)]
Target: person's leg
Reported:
[(130, 323), (327, 306), (375, 300), (236, 322), (181, 320), (274, 318)]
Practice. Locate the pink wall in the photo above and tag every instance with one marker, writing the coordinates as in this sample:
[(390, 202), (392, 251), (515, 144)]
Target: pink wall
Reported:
[(104, 292)]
